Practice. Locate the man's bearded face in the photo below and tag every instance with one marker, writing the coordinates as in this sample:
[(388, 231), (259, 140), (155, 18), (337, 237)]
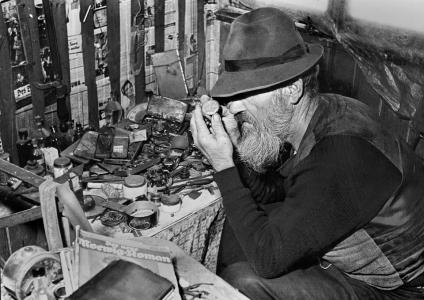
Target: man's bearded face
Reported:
[(263, 132)]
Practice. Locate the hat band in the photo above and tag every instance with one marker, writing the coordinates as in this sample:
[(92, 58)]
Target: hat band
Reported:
[(238, 65)]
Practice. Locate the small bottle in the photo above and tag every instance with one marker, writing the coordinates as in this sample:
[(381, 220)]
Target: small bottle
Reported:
[(23, 146), (69, 136), (54, 140), (44, 132), (78, 132), (33, 166), (37, 153)]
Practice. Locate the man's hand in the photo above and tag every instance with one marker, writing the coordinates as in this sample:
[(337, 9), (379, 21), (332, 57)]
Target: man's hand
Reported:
[(230, 123), (231, 126), (215, 144)]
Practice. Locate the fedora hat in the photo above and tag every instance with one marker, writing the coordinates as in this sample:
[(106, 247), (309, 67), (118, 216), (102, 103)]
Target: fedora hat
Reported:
[(263, 49)]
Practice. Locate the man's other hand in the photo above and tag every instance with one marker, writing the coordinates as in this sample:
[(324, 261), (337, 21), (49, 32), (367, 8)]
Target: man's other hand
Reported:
[(215, 144)]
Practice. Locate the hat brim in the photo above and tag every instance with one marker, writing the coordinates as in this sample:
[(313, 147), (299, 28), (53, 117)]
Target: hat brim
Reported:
[(233, 83)]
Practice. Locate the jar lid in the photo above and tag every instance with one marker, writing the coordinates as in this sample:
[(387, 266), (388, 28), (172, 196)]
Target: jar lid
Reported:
[(62, 162), (170, 200), (134, 181)]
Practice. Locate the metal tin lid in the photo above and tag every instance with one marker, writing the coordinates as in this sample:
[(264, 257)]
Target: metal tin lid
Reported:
[(62, 162), (170, 200), (134, 181)]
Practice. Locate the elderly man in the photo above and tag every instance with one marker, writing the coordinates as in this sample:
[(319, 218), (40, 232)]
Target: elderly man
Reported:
[(342, 218)]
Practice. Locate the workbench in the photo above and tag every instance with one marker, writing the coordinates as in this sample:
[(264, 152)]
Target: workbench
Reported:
[(196, 227)]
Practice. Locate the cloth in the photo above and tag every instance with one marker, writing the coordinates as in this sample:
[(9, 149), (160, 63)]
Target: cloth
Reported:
[(312, 283), (288, 219)]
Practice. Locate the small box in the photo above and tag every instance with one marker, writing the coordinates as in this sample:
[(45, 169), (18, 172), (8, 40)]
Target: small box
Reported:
[(120, 146)]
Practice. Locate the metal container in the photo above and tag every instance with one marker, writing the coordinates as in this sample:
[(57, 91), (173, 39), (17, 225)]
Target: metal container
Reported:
[(143, 215), (134, 186), (24, 265)]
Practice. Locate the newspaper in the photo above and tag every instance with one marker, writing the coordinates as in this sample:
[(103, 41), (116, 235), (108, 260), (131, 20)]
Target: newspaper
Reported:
[(93, 252)]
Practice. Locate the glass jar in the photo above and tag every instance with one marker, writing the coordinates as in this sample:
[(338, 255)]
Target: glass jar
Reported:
[(61, 166)]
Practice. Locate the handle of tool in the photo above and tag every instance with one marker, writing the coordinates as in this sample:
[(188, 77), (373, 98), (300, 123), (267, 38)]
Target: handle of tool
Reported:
[(72, 209)]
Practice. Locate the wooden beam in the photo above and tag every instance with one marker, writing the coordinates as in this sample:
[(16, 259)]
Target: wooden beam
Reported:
[(50, 28), (201, 42), (21, 217), (7, 101), (159, 26), (114, 44), (58, 11), (137, 14), (31, 43), (181, 29), (21, 173), (87, 32)]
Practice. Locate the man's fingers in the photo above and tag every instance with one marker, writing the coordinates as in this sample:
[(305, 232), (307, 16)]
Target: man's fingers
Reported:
[(202, 129), (204, 98), (193, 130), (217, 125), (225, 111)]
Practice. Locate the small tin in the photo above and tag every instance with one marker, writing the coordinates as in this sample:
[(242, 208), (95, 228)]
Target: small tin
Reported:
[(120, 146), (134, 186), (143, 215), (156, 199), (171, 203)]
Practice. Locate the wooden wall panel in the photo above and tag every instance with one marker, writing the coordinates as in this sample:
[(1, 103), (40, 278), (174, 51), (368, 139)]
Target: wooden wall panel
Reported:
[(87, 31), (16, 237), (114, 44), (4, 246), (7, 101), (30, 39)]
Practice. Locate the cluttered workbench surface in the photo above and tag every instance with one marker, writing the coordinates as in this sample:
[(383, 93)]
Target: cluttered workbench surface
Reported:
[(143, 177), (137, 176)]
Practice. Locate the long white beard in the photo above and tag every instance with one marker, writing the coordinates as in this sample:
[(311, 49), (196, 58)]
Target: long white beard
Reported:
[(260, 144), (259, 149)]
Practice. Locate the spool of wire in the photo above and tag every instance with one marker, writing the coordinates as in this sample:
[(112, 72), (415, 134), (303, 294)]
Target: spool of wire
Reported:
[(113, 218)]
